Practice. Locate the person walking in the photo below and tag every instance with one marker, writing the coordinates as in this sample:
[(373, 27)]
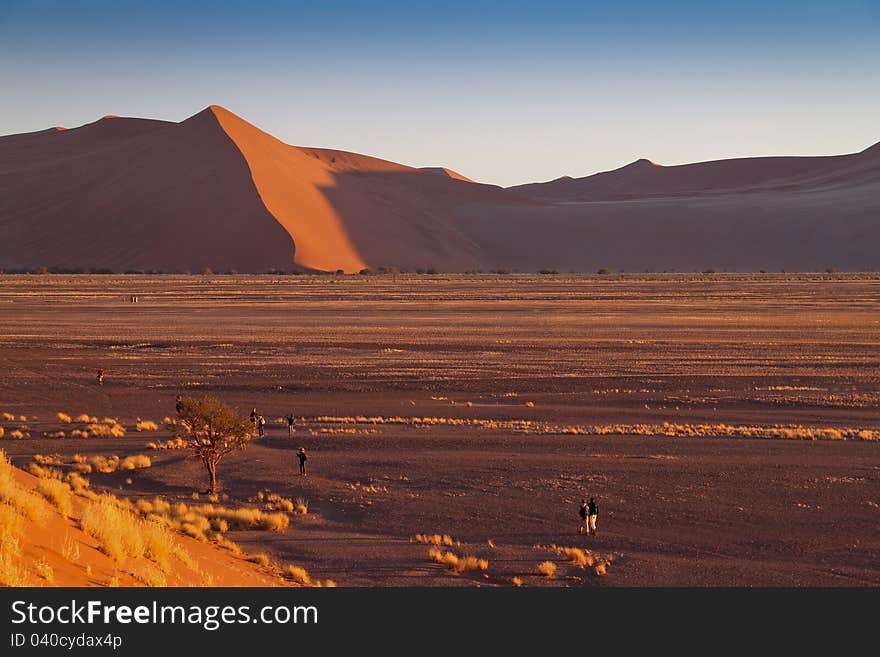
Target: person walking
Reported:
[(583, 526), (592, 516), (100, 376), (261, 426), (303, 457), (254, 417), (290, 420)]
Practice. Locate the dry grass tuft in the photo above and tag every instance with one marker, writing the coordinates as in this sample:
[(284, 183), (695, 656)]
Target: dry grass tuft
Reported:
[(517, 581), (26, 502), (9, 417), (44, 571), (173, 443), (146, 425), (298, 575), (261, 559), (436, 539), (135, 462), (58, 493), (64, 417), (547, 568), (456, 563)]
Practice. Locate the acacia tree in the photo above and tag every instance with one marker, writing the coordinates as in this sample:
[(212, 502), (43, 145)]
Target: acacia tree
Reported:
[(212, 429)]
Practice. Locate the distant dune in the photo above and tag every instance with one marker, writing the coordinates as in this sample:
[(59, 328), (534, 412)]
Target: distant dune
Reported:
[(216, 192), (449, 173)]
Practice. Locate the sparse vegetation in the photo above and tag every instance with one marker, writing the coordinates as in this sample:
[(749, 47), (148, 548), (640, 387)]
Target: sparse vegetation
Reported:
[(58, 493), (456, 563), (146, 425)]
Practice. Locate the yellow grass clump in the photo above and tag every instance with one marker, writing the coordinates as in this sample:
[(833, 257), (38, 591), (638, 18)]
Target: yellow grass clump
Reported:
[(77, 482), (17, 434), (105, 430), (2, 432), (135, 462), (261, 559), (122, 534), (146, 425), (547, 568), (25, 502), (12, 572), (173, 443), (456, 563), (58, 493), (64, 417), (9, 417), (435, 539), (298, 575), (517, 581)]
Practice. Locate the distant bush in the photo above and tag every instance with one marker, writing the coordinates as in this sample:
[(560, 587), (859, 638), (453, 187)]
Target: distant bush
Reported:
[(548, 271), (603, 271)]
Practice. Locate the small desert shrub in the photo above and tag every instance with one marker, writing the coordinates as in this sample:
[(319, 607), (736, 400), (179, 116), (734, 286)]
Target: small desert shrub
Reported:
[(517, 581), (64, 417), (104, 464), (83, 418), (530, 404), (52, 459), (58, 493), (146, 425), (17, 434), (54, 434), (600, 569), (547, 568), (135, 462), (79, 433), (298, 574), (77, 482), (9, 417), (2, 432), (301, 505), (260, 559), (105, 430)]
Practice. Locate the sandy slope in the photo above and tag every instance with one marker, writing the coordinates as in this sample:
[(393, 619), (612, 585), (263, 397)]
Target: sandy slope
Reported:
[(54, 541)]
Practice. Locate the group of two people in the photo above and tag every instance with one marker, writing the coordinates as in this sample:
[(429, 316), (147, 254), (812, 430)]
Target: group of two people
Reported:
[(589, 515)]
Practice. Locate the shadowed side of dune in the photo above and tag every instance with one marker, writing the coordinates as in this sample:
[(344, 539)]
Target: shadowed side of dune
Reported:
[(349, 211), (134, 194)]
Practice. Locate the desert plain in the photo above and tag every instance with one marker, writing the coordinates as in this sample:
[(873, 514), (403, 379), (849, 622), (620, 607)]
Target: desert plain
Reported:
[(727, 424)]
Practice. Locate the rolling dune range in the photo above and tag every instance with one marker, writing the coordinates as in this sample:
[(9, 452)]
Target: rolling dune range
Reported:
[(216, 192)]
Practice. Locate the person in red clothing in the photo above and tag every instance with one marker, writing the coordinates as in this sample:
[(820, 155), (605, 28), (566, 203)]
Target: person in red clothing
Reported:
[(101, 376)]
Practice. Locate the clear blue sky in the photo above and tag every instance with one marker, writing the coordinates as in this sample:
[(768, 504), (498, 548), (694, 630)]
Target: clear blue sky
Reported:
[(504, 92)]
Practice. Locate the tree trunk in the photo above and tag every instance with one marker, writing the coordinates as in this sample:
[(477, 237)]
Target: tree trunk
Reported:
[(212, 473)]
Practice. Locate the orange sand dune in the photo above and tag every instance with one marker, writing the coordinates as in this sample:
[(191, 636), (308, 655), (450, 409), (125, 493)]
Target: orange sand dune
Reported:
[(216, 192), (74, 558)]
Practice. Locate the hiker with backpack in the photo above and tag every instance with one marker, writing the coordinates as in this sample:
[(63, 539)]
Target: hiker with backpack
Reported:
[(261, 426), (303, 457), (290, 419), (592, 516), (583, 525)]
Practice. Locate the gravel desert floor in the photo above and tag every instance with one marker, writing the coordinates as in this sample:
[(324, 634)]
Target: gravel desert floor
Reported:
[(727, 424)]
